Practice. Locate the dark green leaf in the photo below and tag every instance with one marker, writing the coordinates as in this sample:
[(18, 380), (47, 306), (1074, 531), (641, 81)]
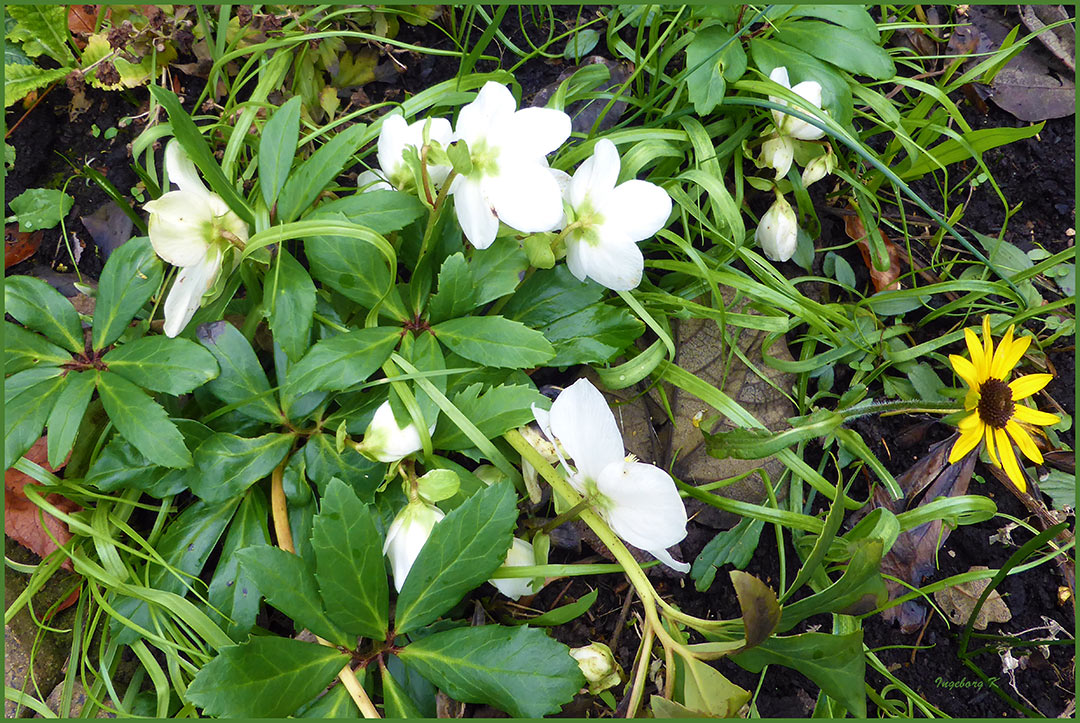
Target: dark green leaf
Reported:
[(349, 563), (456, 293), (712, 70), (355, 269), (67, 414), (735, 547), (342, 361), (843, 48), (497, 410), (835, 662), (835, 93), (25, 416), (288, 583), (494, 341), (760, 609), (42, 308), (121, 466), (705, 689), (518, 670), (228, 464), (497, 269), (463, 550), (381, 211), (324, 462), (40, 208), (335, 703), (264, 678), (277, 148), (233, 593), (199, 151), (24, 349), (142, 421), (161, 364), (563, 614), (852, 17), (419, 689), (242, 380), (860, 589), (293, 303), (19, 382), (395, 700), (309, 179), (131, 276)]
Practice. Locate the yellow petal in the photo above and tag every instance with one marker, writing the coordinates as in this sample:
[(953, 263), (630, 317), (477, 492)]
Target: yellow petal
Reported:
[(1008, 357), (976, 351), (969, 422), (990, 446), (988, 345), (1024, 442), (971, 399), (967, 441), (965, 370), (1003, 348), (1008, 459), (1024, 387), (1034, 416)]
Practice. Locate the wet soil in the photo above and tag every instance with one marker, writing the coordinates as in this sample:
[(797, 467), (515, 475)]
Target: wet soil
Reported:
[(51, 145)]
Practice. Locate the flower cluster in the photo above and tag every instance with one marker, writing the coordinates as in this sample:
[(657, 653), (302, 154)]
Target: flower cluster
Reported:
[(778, 231)]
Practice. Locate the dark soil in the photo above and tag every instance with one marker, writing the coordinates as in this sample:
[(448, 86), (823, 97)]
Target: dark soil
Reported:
[(51, 146)]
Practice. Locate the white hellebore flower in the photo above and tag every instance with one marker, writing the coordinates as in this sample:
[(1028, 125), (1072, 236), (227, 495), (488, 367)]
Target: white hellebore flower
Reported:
[(818, 168), (777, 152), (610, 220), (598, 665), (519, 554), (387, 441), (638, 501), (397, 135), (778, 231), (188, 229), (809, 90), (510, 180), (407, 535)]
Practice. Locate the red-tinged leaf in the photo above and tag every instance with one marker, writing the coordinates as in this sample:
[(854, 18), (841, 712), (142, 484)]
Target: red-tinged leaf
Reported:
[(23, 520), (81, 21), (882, 280), (19, 245)]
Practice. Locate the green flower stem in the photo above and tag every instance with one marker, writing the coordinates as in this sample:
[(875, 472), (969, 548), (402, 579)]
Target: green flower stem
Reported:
[(916, 405), (555, 571)]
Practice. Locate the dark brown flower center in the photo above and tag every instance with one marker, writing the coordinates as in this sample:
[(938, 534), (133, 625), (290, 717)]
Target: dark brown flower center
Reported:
[(995, 403)]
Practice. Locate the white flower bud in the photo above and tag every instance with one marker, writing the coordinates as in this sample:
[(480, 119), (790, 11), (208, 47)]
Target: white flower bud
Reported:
[(598, 666), (778, 232), (519, 554), (385, 441), (818, 168), (777, 152), (407, 535)]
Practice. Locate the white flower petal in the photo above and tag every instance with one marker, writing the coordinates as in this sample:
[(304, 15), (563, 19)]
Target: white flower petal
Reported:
[(186, 293), (494, 105), (583, 423), (394, 135), (181, 169), (778, 231), (181, 223), (533, 132), (474, 212), (637, 208), (597, 174), (615, 262), (525, 197), (520, 554), (372, 181), (406, 537), (780, 75), (643, 505), (809, 90)]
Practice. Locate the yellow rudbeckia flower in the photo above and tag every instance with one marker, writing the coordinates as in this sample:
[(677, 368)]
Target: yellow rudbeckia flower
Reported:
[(993, 402)]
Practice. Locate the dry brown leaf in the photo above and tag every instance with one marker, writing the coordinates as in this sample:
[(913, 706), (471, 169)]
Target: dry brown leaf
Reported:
[(23, 519), (81, 21), (19, 245), (959, 600), (882, 280)]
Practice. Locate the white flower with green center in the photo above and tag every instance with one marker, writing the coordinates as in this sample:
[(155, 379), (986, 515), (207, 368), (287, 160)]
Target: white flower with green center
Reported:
[(638, 501), (609, 220), (395, 136), (808, 90), (510, 180), (385, 440), (191, 228)]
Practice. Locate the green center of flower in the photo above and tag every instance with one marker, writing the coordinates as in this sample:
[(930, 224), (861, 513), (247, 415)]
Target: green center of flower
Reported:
[(588, 221), (485, 159), (995, 403)]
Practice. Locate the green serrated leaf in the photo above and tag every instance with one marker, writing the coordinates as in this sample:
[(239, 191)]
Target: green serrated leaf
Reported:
[(497, 270), (67, 414), (277, 147), (19, 382), (20, 80), (355, 269), (25, 416), (519, 670), (229, 464), (40, 307), (142, 421), (342, 361), (24, 349), (161, 364), (264, 678), (844, 48), (232, 592), (456, 293), (735, 547), (463, 550), (309, 179), (349, 564), (324, 463), (382, 211), (494, 341), (121, 466), (396, 700), (494, 412), (712, 70), (41, 29), (131, 276), (242, 380), (288, 583), (293, 304)]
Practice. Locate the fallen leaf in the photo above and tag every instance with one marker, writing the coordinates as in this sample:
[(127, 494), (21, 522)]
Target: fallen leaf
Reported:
[(19, 245), (959, 601), (585, 113), (1061, 41), (882, 280), (108, 226), (24, 521), (81, 21)]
